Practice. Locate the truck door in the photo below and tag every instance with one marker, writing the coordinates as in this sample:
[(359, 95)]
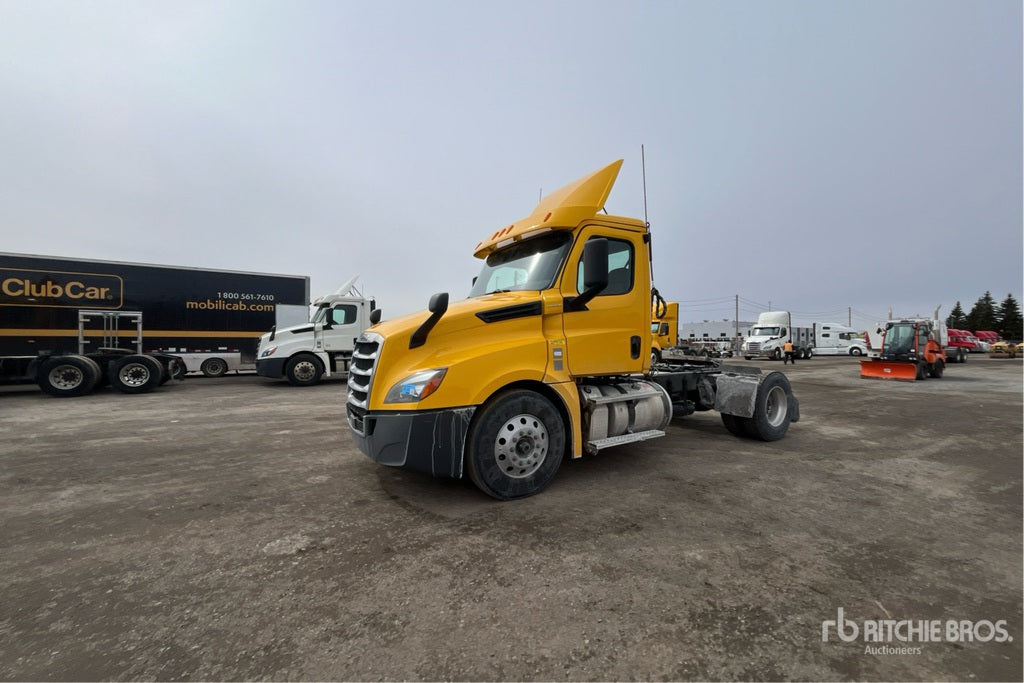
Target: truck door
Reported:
[(614, 334), (341, 326)]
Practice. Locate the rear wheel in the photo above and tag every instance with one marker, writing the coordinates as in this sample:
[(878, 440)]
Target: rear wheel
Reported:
[(135, 374), (772, 409), (515, 445), (68, 376), (303, 370), (214, 367), (936, 369)]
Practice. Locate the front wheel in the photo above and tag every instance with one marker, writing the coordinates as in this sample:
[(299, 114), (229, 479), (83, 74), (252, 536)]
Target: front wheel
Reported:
[(515, 445), (655, 357), (303, 371)]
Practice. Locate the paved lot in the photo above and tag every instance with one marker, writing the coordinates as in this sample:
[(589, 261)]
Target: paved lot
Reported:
[(228, 529)]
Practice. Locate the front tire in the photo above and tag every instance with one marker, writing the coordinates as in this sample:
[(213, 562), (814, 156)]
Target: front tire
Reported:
[(515, 445), (655, 357), (303, 370)]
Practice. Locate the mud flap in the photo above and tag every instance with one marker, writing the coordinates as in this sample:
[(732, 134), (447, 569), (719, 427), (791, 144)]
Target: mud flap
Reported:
[(736, 394), (885, 369)]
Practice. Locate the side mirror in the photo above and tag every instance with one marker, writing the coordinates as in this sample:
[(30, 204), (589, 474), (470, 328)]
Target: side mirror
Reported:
[(437, 307), (595, 274), (374, 316)]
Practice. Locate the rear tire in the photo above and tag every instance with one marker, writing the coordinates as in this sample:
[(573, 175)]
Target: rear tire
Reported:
[(937, 368), (303, 370), (772, 409), (214, 367), (68, 376), (135, 374), (515, 445)]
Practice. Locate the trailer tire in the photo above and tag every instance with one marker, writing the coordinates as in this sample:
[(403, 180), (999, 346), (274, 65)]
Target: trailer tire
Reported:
[(515, 445), (135, 374), (68, 376), (214, 367), (303, 370), (772, 409)]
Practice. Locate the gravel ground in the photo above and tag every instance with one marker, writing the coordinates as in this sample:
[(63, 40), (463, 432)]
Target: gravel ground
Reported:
[(228, 529)]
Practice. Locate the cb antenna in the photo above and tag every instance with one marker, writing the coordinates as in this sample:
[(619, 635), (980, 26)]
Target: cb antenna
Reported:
[(643, 175), (657, 302)]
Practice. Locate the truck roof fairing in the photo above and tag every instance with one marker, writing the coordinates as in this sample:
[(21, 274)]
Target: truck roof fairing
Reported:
[(563, 209)]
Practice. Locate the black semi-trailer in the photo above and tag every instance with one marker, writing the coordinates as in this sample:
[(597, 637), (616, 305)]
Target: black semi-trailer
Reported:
[(70, 325)]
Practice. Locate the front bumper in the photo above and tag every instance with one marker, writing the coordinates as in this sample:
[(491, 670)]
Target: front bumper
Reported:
[(430, 441), (271, 367)]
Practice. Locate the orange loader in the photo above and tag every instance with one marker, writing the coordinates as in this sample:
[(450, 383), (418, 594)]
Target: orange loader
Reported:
[(911, 349)]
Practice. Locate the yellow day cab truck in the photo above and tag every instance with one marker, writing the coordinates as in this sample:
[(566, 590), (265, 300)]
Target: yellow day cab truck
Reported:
[(548, 357)]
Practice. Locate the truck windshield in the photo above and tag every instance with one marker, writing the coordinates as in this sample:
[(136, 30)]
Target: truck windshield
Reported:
[(899, 339), (531, 264), (765, 332)]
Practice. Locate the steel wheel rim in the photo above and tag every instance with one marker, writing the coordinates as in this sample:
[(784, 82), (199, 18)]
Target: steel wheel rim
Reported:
[(305, 370), (521, 446), (776, 406), (66, 377), (134, 375)]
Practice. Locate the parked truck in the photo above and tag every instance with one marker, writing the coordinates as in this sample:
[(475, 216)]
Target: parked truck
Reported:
[(836, 339), (57, 311), (322, 346), (664, 328), (547, 357), (770, 334)]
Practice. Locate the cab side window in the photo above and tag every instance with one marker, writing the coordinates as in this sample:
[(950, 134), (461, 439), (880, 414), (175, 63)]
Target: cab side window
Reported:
[(343, 315), (620, 268)]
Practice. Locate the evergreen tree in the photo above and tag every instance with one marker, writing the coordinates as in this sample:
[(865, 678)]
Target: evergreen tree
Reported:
[(983, 314), (1010, 323), (957, 319)]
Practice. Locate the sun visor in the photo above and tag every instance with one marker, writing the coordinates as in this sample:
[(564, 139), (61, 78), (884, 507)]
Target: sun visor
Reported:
[(563, 209)]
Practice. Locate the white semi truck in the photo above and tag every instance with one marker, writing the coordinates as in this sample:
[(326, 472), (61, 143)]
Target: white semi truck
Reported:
[(836, 339), (772, 331), (304, 354)]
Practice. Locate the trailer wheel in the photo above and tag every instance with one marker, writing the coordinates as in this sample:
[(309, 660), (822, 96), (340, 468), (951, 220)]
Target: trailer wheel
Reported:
[(135, 374), (303, 370), (214, 367), (772, 409), (515, 445), (176, 369), (67, 376)]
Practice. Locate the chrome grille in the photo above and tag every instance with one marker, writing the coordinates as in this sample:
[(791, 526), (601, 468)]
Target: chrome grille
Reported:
[(361, 367)]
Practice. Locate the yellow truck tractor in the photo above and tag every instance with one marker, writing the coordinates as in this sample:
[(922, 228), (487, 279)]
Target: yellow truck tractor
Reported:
[(664, 327), (548, 357)]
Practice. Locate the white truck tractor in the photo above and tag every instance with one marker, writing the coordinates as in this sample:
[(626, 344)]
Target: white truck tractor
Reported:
[(304, 354), (772, 331)]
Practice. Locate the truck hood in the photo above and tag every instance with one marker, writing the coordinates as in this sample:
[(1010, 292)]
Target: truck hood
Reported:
[(462, 317), (291, 329)]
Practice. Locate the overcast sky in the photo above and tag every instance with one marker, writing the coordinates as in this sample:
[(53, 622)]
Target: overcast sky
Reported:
[(812, 156)]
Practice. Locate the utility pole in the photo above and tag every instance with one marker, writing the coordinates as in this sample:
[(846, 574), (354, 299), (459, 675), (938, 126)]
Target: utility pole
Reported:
[(737, 320), (849, 316)]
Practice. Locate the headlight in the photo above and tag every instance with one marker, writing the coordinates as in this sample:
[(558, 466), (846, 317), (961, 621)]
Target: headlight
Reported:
[(268, 352), (416, 387)]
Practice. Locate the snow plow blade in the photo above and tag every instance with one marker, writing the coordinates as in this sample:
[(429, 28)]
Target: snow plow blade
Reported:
[(886, 369)]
